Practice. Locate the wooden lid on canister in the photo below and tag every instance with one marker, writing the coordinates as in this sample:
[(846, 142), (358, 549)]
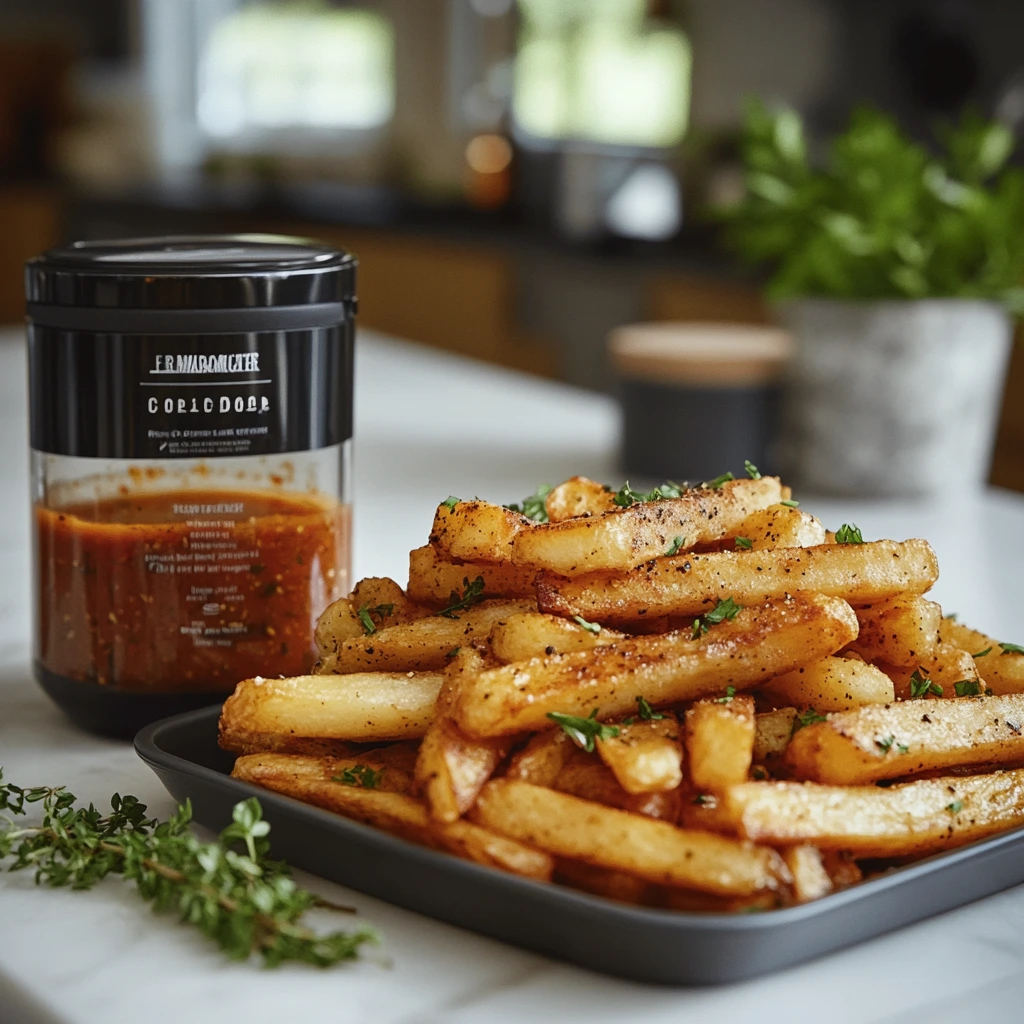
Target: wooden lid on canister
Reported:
[(700, 354)]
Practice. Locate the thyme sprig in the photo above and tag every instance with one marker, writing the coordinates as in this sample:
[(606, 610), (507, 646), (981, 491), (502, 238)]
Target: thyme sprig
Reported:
[(229, 889)]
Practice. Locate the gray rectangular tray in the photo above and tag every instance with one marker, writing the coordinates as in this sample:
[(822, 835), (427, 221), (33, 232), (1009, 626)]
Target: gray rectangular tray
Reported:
[(641, 944)]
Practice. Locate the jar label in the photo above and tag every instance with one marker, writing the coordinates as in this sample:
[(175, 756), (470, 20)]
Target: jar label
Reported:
[(189, 396)]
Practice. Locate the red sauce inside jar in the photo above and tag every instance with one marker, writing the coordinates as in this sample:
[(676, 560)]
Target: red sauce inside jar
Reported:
[(187, 590)]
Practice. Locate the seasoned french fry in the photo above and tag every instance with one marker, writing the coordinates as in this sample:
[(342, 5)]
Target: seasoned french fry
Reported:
[(532, 634), (452, 768), (286, 743), (433, 578), (772, 731), (569, 827), (587, 777), (392, 767), (542, 759), (578, 496), (646, 756), (944, 667), (361, 707), (1003, 671), (902, 631), (476, 531), (886, 742), (811, 879), (757, 644), (720, 741), (832, 684), (691, 584), (423, 645), (380, 598), (912, 819), (626, 537), (394, 812), (780, 526)]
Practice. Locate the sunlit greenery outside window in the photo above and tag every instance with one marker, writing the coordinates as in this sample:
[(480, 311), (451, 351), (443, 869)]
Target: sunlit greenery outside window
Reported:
[(598, 70), (270, 66)]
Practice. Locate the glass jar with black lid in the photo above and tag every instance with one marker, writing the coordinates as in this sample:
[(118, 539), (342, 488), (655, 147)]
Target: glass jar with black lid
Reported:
[(191, 417)]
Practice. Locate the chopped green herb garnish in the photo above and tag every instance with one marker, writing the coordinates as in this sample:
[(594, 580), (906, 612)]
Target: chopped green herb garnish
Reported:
[(718, 481), (752, 471), (366, 614), (955, 807), (968, 688), (534, 507), (921, 686), (590, 627), (981, 654), (1012, 649), (675, 546), (360, 775), (744, 543), (885, 745), (902, 748), (473, 594), (453, 652), (584, 731), (808, 717), (727, 609), (790, 504), (646, 712), (730, 692), (626, 496), (849, 533), (450, 502)]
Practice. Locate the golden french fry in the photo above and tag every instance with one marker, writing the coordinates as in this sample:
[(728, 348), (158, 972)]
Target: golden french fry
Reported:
[(944, 668), (423, 645), (842, 868), (628, 536), (390, 768), (382, 599), (569, 827), (361, 707), (286, 743), (396, 813), (720, 741), (886, 742), (901, 631), (757, 644), (589, 778), (646, 756), (692, 584), (532, 634), (577, 497), (911, 819), (542, 759), (598, 881), (832, 684), (772, 731), (811, 879), (476, 531), (1003, 671), (452, 767), (780, 526), (433, 578)]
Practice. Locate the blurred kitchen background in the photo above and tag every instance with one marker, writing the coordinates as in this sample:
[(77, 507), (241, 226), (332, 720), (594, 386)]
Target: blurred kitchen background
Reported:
[(518, 177)]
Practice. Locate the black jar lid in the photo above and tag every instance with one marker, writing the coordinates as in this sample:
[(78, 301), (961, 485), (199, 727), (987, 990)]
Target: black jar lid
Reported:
[(79, 286)]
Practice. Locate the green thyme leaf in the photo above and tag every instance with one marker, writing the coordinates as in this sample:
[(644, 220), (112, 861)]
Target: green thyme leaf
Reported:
[(724, 609), (450, 502), (625, 496), (646, 712), (967, 688), (584, 731), (808, 717), (1012, 649), (744, 543), (534, 507), (453, 652), (885, 745), (360, 775), (718, 481), (790, 504), (229, 888), (730, 692), (752, 471), (675, 546), (981, 654), (955, 807), (921, 686), (849, 533), (365, 614), (590, 627), (473, 594)]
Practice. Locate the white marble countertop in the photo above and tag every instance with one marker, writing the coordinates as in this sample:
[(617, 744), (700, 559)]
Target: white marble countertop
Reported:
[(429, 425)]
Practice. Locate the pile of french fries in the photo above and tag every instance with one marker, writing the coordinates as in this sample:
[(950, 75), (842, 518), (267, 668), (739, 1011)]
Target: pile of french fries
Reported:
[(696, 698)]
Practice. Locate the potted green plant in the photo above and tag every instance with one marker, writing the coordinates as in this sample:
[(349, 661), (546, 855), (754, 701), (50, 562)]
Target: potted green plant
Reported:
[(897, 271)]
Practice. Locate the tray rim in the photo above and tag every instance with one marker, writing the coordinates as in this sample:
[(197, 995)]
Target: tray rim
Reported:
[(147, 747)]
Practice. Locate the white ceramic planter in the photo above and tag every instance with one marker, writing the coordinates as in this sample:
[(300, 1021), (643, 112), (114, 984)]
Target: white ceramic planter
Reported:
[(893, 398)]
